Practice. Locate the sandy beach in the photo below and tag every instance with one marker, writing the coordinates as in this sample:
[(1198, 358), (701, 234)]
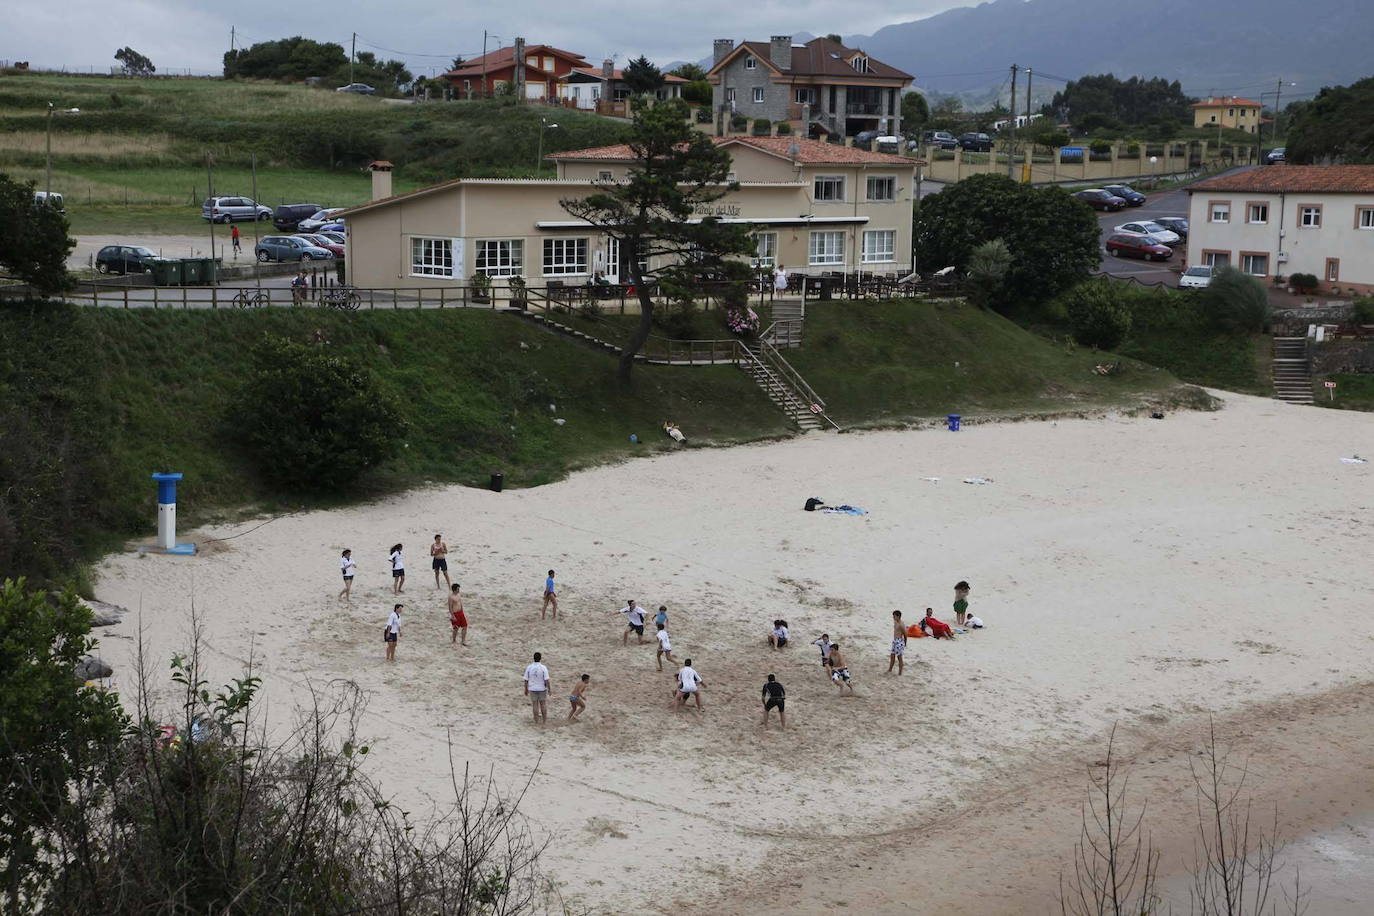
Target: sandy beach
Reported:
[(1134, 571)]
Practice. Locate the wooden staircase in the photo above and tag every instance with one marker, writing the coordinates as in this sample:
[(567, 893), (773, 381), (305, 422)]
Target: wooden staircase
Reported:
[(1292, 375), (784, 386), (785, 332)]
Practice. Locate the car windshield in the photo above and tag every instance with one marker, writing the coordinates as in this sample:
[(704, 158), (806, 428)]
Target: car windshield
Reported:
[(144, 252), (1151, 240), (1198, 271), (1152, 227)]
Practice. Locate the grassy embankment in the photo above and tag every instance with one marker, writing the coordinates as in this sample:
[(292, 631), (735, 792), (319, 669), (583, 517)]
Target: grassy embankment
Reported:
[(133, 160), (1352, 392)]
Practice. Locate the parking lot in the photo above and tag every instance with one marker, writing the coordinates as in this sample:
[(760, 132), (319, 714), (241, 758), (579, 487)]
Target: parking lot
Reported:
[(1167, 203)]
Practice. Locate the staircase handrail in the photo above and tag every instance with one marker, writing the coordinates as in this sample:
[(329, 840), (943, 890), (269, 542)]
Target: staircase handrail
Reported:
[(793, 379)]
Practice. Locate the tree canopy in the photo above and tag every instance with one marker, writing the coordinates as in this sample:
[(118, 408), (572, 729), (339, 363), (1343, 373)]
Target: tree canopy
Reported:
[(134, 64), (642, 77), (1335, 127), (285, 59), (915, 111), (1092, 102), (33, 237)]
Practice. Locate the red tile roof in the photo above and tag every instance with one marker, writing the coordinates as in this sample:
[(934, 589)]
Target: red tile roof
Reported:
[(1226, 102), (823, 57), (810, 152), (1295, 179), (504, 57), (618, 74)]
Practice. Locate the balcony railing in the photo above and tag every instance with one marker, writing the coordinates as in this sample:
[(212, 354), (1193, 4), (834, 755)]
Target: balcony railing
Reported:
[(864, 108)]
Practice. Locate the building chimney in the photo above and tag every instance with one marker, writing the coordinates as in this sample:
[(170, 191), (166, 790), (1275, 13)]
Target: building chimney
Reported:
[(608, 68), (780, 51), (381, 178), (723, 47), (518, 74)]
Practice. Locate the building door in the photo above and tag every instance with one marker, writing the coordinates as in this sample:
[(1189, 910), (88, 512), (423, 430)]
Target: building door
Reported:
[(612, 266)]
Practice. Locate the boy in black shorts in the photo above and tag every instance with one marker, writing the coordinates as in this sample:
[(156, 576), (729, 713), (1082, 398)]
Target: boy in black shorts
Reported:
[(774, 697)]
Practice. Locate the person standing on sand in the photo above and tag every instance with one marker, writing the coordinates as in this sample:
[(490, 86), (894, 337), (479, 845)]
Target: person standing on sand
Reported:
[(456, 618), (438, 552), (550, 597), (839, 673), (961, 590), (634, 614), (398, 570), (537, 685), (689, 685), (824, 644), (578, 697), (774, 697), (349, 569), (662, 616), (898, 644), (391, 634), (665, 648)]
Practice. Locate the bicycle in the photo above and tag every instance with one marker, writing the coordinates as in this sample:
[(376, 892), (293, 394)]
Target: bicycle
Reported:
[(250, 299), (344, 298)]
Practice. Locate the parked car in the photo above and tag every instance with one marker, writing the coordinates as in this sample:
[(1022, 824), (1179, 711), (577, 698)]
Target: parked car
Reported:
[(1138, 246), (51, 198), (1276, 155), (865, 138), (941, 138), (287, 217), (227, 209), (124, 259), (359, 88), (290, 248), (323, 241), (317, 220), (1199, 276), (337, 237), (1150, 228), (336, 227), (1176, 224), (1132, 197), (975, 142), (1099, 199)]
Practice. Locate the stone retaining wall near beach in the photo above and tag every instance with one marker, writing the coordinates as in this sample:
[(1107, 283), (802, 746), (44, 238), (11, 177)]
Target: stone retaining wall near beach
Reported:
[(1335, 356)]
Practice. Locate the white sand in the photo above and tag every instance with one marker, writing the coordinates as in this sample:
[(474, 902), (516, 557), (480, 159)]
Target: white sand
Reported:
[(1128, 569)]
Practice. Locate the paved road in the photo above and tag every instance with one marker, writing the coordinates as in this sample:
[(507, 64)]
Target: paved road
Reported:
[(1167, 203)]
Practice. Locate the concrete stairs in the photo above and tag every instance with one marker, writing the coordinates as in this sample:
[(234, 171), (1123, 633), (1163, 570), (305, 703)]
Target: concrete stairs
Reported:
[(1292, 375), (781, 394)]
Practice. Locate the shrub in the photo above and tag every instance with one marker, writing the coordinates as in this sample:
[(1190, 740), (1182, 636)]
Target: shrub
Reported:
[(1236, 303), (762, 127), (1132, 150), (738, 122), (1098, 315), (703, 116), (987, 273), (1303, 283), (315, 420), (784, 129), (1364, 310), (1100, 146)]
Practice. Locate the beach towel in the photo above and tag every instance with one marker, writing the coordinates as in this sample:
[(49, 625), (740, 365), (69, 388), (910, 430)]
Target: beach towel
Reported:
[(980, 481), (938, 628), (844, 510), (914, 631), (1356, 460)]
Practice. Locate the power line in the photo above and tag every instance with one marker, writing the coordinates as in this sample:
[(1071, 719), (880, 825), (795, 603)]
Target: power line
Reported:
[(372, 44)]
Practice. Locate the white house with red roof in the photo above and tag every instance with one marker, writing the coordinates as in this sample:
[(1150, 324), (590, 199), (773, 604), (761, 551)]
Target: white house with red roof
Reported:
[(603, 89)]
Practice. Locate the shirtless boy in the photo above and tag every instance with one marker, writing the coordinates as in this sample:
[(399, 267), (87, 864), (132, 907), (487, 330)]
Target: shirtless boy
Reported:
[(578, 698), (898, 644), (438, 554), (839, 670), (456, 618)]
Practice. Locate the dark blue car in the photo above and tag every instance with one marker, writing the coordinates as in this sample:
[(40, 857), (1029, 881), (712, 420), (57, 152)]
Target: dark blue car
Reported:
[(1133, 198)]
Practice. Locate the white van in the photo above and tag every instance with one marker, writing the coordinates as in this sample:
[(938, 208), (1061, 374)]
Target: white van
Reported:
[(53, 199)]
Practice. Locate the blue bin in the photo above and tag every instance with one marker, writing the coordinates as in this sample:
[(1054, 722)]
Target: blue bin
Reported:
[(953, 422)]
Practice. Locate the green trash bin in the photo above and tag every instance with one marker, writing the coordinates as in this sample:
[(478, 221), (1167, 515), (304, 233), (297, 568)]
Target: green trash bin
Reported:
[(166, 272), (193, 271)]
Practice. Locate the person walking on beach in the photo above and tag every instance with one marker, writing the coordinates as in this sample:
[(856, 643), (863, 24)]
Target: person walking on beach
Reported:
[(438, 552), (824, 644), (234, 237), (961, 590), (662, 616), (634, 615), (550, 598), (774, 697), (398, 570), (578, 697), (665, 648), (778, 637), (839, 671), (689, 685), (349, 569), (392, 632), (537, 684), (898, 644), (456, 618)]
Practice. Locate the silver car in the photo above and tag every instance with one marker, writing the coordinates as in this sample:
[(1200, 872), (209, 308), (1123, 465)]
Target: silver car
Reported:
[(229, 209), (320, 218), (1149, 227)]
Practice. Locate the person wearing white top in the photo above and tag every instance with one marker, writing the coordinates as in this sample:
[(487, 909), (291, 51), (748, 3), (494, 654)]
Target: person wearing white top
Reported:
[(689, 684), (779, 279), (537, 685), (778, 638), (665, 648), (635, 615), (391, 633), (348, 568), (974, 622), (398, 570)]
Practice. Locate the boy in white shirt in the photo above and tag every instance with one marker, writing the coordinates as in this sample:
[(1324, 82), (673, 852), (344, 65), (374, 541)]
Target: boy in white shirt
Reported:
[(824, 644), (635, 615), (689, 684), (665, 648), (537, 685)]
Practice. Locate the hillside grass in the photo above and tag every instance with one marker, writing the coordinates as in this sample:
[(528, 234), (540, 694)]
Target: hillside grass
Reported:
[(1353, 391)]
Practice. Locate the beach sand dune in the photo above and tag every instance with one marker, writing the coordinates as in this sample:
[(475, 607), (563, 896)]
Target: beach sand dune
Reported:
[(1130, 570)]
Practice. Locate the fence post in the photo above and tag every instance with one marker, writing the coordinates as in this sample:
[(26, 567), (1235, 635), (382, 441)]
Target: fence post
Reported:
[(183, 298), (441, 297), (395, 298), (214, 297)]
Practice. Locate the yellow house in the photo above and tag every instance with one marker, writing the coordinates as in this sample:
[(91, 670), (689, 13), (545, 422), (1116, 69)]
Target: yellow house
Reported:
[(1227, 111)]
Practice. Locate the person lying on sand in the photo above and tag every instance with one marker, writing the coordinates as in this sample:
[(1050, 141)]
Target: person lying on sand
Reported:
[(674, 433), (935, 627)]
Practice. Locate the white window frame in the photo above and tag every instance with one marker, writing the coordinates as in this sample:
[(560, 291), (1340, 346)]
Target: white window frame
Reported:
[(879, 254), (565, 256), (605, 175), (805, 95), (765, 249), (1250, 215), (508, 259), (436, 257), (730, 94), (828, 180), (1364, 218), (868, 188), (1314, 211), (1216, 259), (1247, 264), (758, 95), (751, 62), (825, 248), (1219, 206)]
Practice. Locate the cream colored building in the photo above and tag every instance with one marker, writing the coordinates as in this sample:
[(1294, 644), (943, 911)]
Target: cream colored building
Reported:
[(1286, 219), (1227, 111), (813, 206)]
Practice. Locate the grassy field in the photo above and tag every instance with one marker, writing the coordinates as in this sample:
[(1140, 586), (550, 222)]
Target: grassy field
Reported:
[(134, 158), (1352, 392)]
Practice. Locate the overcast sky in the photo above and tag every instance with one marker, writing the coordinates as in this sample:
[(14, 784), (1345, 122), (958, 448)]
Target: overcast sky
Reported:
[(194, 34)]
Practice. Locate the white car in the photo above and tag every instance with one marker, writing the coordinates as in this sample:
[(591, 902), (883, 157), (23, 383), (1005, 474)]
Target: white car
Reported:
[(1199, 276), (324, 217), (1146, 227)]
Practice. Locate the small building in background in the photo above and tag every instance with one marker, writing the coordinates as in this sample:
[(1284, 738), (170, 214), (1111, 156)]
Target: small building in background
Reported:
[(491, 73), (1227, 111)]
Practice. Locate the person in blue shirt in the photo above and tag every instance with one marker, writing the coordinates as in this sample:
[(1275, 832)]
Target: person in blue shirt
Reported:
[(550, 597), (661, 618)]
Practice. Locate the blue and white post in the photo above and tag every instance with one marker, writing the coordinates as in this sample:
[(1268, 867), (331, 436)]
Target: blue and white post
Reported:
[(167, 515)]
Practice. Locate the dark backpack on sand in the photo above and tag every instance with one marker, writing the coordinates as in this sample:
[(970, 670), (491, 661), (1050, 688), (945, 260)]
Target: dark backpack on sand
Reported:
[(813, 503)]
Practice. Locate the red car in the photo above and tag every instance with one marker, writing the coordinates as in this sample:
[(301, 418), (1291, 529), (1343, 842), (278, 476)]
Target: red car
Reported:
[(325, 242), (1138, 246)]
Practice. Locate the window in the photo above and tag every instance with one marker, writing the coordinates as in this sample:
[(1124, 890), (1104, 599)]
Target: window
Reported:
[(826, 248), (1254, 264), (806, 96), (1310, 216), (1257, 214), (1364, 218), (882, 187), (750, 63), (501, 257), (431, 257), (1333, 269), (604, 175), (565, 256), (731, 177), (765, 249), (1219, 211), (828, 187), (880, 246), (758, 94), (860, 64), (1216, 259), (1230, 112), (1213, 119)]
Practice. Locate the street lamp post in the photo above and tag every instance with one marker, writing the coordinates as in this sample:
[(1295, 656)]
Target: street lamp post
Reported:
[(539, 160), (1278, 98), (51, 111)]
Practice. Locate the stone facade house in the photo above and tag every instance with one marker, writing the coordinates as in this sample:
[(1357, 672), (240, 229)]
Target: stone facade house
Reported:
[(820, 88)]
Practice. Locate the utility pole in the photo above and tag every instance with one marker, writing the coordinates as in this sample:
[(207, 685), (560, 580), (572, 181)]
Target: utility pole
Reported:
[(1011, 125), (484, 63), (1029, 72), (1274, 131), (231, 39), (210, 183), (352, 58)]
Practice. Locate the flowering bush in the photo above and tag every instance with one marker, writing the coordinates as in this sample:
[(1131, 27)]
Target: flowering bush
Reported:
[(742, 320)]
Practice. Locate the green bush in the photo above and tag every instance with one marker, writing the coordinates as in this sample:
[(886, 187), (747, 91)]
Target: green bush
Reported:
[(762, 127), (703, 116), (784, 129), (1098, 315), (738, 122), (313, 420), (1303, 283), (987, 273), (1364, 310), (1236, 303)]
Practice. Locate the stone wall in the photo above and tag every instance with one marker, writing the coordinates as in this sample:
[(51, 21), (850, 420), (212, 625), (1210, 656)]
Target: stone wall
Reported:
[(1330, 357)]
